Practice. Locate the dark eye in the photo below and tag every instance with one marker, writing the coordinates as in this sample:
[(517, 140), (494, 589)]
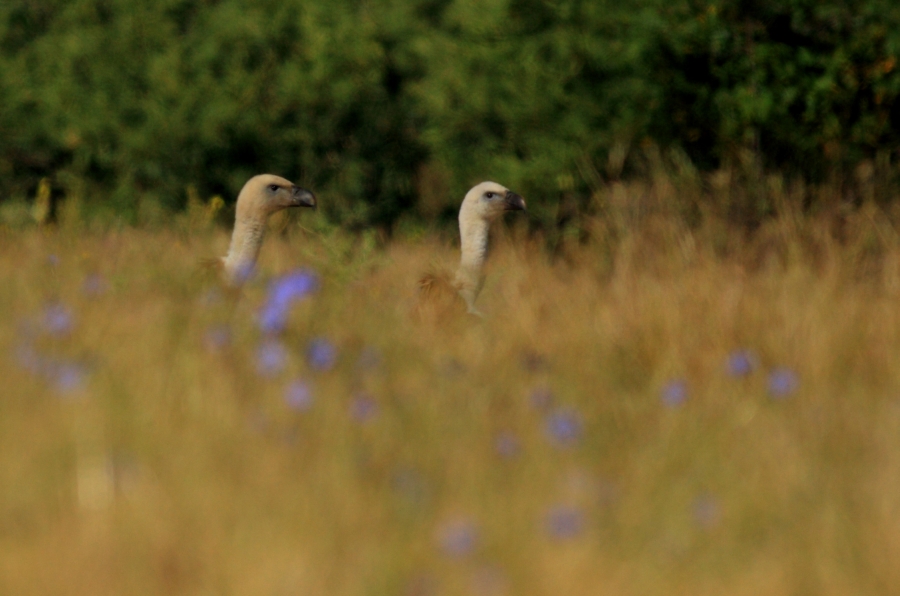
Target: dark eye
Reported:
[(489, 195), (274, 187)]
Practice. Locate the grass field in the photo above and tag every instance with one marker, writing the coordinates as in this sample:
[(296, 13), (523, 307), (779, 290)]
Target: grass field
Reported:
[(662, 410)]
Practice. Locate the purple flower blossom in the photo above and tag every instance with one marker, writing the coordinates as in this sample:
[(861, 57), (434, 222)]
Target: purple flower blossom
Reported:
[(321, 354), (272, 319), (217, 337), (94, 285), (363, 408), (283, 292), (67, 377), (674, 393), (298, 396), (458, 538), (541, 398), (564, 522), (57, 319), (563, 427), (706, 511), (741, 363), (52, 260), (782, 383), (293, 286), (27, 357), (506, 444), (271, 356)]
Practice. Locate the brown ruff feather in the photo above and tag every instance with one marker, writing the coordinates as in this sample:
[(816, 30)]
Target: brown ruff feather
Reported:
[(438, 297)]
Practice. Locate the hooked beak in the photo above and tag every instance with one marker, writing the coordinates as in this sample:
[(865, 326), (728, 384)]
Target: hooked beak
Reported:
[(300, 197), (513, 202)]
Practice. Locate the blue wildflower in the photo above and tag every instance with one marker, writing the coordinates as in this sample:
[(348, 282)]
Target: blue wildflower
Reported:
[(563, 427), (298, 396), (541, 398), (741, 363), (272, 318), (68, 377), (283, 292), (321, 354), (217, 337), (271, 357), (458, 538), (506, 444), (28, 358), (57, 319), (705, 510), (94, 285), (363, 408), (782, 383), (564, 522), (674, 393), (293, 286)]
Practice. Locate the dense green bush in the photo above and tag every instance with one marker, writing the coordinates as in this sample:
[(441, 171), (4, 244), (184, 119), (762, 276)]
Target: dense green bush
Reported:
[(387, 106), (810, 84)]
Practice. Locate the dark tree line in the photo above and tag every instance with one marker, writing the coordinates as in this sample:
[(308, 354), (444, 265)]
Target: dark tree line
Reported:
[(392, 107)]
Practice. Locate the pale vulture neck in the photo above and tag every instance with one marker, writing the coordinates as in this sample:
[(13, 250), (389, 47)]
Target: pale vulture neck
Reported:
[(245, 244), (473, 233)]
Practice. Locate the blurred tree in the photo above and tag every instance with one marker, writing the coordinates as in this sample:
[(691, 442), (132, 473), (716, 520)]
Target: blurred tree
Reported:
[(388, 107)]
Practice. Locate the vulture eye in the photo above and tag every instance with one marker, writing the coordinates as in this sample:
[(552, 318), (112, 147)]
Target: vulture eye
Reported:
[(274, 187), (489, 195)]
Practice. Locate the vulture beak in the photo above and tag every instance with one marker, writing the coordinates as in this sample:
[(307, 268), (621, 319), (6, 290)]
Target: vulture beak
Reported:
[(300, 197), (513, 202)]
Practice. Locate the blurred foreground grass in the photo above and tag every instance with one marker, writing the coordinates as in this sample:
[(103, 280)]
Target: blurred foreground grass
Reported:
[(665, 411)]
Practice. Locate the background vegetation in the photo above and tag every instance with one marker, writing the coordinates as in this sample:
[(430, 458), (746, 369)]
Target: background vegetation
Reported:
[(671, 410), (687, 380), (389, 107)]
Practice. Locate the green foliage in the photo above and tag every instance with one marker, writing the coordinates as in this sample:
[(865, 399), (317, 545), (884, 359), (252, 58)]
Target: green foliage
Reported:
[(388, 107), (810, 85)]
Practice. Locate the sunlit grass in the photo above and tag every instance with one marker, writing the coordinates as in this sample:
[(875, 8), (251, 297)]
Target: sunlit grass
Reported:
[(655, 412)]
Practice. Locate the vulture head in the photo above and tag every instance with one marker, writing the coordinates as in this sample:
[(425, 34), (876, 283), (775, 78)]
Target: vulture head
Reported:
[(487, 201), (265, 194), (260, 197)]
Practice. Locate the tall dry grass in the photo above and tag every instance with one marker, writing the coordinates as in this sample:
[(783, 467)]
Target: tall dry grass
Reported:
[(663, 409)]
